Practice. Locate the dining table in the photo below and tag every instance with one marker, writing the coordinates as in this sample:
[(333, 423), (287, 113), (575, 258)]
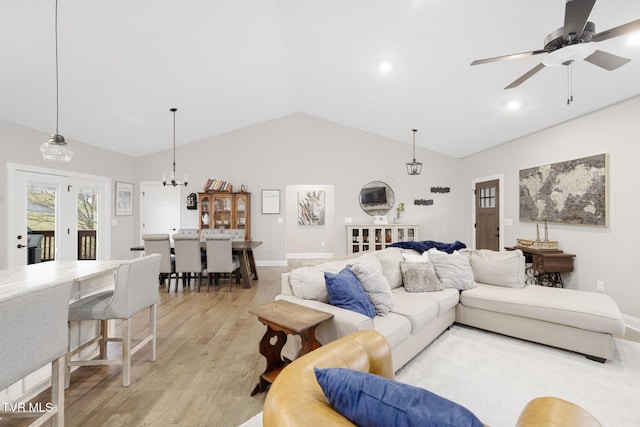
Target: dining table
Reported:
[(243, 249)]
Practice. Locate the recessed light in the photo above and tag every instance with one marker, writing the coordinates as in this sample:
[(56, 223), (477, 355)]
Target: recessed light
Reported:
[(385, 67), (514, 105), (634, 39)]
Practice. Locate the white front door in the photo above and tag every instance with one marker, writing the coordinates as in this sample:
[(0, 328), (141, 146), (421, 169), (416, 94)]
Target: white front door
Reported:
[(159, 208), (57, 206)]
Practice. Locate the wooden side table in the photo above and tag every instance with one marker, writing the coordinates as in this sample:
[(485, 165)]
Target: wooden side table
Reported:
[(282, 318), (546, 265)]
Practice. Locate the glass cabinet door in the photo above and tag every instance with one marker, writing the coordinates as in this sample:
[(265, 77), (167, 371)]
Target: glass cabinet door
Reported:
[(241, 211), (205, 213), (222, 204)]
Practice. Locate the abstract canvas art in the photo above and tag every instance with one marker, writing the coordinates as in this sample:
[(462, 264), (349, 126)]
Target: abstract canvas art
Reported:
[(311, 207)]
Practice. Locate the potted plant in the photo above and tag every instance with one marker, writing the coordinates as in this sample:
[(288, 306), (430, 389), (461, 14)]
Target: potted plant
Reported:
[(399, 210)]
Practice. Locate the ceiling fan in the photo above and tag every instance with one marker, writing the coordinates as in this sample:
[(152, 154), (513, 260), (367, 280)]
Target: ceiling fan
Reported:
[(572, 42)]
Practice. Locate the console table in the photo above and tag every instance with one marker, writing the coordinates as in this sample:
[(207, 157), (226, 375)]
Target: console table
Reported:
[(546, 265)]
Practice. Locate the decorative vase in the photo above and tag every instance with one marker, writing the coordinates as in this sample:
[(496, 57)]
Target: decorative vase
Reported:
[(205, 219), (396, 220)]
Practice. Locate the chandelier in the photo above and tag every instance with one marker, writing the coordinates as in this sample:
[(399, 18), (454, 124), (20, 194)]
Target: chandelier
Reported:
[(56, 148), (413, 167), (172, 178)]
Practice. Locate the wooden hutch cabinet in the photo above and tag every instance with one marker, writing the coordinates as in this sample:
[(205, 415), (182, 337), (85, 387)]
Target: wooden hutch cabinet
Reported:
[(368, 237), (224, 210)]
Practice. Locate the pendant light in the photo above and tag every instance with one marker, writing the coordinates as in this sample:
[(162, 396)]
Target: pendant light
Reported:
[(172, 178), (56, 148), (413, 167)]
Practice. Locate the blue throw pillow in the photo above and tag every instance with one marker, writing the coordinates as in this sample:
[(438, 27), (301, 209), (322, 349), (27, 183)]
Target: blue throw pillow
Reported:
[(369, 400), (345, 291)]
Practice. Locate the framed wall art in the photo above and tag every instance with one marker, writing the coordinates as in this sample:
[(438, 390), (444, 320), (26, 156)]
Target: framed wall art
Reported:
[(270, 201), (571, 192), (124, 198)]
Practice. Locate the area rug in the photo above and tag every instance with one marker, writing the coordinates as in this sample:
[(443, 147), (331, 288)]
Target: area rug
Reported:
[(495, 376)]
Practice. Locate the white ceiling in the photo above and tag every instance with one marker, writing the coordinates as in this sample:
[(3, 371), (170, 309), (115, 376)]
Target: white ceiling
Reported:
[(234, 63)]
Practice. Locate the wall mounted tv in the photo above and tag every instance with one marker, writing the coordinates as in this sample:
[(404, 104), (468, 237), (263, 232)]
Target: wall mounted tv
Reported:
[(373, 196)]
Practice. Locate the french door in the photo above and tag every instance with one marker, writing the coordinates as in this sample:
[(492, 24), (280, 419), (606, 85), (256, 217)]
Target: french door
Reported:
[(57, 215)]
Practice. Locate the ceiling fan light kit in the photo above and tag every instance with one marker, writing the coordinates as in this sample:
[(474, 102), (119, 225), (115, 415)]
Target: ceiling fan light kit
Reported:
[(56, 148), (572, 42), (172, 177)]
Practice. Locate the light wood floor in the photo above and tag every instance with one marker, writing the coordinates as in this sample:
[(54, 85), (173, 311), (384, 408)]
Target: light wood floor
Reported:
[(207, 364)]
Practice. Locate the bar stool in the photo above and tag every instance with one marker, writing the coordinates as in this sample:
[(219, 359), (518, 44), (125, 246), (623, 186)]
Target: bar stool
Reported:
[(135, 290)]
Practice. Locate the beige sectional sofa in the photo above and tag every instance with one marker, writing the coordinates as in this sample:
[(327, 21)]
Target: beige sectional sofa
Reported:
[(584, 322)]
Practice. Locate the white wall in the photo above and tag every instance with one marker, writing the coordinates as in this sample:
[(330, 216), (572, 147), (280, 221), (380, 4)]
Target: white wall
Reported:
[(300, 149), (303, 150), (22, 145), (602, 253)]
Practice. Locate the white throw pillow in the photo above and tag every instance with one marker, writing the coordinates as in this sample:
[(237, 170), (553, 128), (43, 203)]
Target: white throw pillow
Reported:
[(409, 257), (390, 259), (498, 268), (376, 286), (454, 270)]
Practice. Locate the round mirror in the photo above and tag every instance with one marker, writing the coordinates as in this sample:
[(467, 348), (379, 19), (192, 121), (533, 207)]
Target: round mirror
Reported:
[(376, 198)]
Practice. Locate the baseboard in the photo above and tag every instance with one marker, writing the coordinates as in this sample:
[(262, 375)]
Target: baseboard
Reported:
[(272, 263), (307, 255), (631, 322)]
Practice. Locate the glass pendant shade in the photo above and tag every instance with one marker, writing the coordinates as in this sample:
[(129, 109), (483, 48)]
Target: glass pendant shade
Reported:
[(413, 167), (56, 149)]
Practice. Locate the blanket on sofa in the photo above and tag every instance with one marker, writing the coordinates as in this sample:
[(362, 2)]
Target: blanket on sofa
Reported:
[(425, 245)]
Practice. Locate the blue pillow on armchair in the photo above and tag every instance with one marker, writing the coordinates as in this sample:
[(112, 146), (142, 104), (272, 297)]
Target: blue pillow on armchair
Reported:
[(369, 400), (345, 291)]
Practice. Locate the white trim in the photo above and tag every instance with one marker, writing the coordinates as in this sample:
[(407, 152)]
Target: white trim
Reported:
[(632, 322), (305, 255), (272, 263), (500, 178), (12, 168)]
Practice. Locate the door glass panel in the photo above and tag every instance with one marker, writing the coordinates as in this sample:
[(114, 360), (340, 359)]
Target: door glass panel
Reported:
[(87, 223), (487, 197), (41, 221)]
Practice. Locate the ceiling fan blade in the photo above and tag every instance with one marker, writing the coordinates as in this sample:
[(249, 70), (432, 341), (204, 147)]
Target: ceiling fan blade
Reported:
[(526, 76), (606, 60), (576, 13), (621, 30), (512, 56)]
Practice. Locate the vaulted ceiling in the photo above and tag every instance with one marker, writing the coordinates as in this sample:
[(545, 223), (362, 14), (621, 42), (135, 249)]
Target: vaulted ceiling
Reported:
[(234, 63)]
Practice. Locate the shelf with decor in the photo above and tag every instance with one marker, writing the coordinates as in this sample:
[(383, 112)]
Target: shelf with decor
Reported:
[(225, 210), (375, 237)]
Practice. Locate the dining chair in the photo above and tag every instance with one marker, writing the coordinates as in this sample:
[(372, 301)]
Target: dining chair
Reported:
[(159, 244), (188, 231), (220, 259), (236, 234), (207, 232), (135, 290), (188, 257)]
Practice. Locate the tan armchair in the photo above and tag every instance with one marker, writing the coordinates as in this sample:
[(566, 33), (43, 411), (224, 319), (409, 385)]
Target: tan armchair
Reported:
[(295, 397)]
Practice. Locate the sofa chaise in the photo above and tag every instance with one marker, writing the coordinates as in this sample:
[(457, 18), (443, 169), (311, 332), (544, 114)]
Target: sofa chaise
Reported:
[(482, 288)]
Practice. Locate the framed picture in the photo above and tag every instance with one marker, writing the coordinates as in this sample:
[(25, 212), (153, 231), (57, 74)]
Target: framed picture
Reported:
[(270, 201), (570, 192), (124, 198)]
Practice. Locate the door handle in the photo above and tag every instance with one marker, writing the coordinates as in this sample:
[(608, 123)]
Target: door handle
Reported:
[(20, 246)]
